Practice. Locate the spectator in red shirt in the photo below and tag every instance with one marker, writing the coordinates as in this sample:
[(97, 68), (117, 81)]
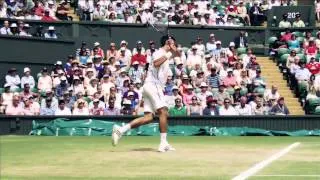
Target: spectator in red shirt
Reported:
[(313, 66), (311, 50), (142, 59), (286, 36), (39, 8), (47, 17)]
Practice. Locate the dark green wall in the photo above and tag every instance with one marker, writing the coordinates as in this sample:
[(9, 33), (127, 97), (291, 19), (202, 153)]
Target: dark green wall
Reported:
[(21, 125)]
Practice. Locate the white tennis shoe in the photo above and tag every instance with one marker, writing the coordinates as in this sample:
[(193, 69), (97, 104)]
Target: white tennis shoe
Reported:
[(165, 147), (116, 135)]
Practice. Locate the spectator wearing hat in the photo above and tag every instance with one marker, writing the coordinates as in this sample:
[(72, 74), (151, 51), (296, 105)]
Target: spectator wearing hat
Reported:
[(230, 80), (13, 79), (14, 29), (111, 110), (211, 44), (49, 94), (27, 78), (139, 47), (6, 96), (193, 58), (183, 87), (123, 77), (198, 79), (45, 81), (170, 99), (48, 109), (124, 57), (25, 31), (216, 52), (187, 97), (227, 109), (179, 109), (62, 87), (62, 110), (92, 87), (96, 110), (256, 14), (280, 108), (168, 86), (179, 69), (193, 73), (81, 109), (284, 23), (97, 50), (51, 33), (5, 30), (194, 108), (14, 108), (211, 108), (243, 108), (203, 94), (298, 22), (136, 72), (127, 107), (313, 66)]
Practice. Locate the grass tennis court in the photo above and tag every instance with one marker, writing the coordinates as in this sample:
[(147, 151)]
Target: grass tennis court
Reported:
[(199, 157)]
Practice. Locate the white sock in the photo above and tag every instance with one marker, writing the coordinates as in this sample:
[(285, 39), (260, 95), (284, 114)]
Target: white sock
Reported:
[(163, 138), (125, 128)]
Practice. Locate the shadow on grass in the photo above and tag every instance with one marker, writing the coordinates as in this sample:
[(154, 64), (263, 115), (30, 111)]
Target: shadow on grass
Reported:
[(144, 149)]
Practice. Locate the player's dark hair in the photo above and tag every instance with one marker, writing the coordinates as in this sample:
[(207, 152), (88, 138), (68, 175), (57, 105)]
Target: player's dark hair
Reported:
[(165, 38)]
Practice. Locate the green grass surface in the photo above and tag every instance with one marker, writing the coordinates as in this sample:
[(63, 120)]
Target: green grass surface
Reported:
[(33, 158)]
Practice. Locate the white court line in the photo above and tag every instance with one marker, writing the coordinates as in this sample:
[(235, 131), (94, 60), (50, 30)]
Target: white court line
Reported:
[(257, 167), (288, 175)]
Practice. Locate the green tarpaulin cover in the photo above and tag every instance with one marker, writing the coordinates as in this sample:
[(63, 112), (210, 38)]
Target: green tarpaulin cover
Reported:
[(90, 127)]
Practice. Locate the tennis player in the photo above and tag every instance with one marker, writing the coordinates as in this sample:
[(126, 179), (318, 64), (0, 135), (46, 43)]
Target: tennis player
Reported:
[(154, 101)]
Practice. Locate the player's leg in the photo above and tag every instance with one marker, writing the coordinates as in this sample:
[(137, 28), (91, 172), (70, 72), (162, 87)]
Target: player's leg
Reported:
[(163, 125)]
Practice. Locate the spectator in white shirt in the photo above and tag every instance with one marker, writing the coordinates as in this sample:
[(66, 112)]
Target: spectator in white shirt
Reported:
[(81, 109), (45, 81), (211, 44), (5, 30), (193, 58), (27, 78), (25, 31), (51, 33), (227, 109), (272, 93), (302, 74), (243, 108), (62, 110), (13, 79)]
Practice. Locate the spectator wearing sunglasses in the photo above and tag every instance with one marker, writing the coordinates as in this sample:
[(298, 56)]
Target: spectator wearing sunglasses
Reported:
[(179, 109), (227, 109), (194, 109)]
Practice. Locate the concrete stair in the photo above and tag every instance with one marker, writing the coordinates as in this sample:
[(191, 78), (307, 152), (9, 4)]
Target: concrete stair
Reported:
[(73, 14), (273, 76)]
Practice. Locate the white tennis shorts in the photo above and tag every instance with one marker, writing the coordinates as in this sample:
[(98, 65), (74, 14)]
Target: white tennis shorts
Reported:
[(153, 97)]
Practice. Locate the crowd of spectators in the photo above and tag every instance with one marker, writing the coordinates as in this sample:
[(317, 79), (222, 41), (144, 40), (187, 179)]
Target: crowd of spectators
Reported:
[(195, 12), (297, 54), (24, 29), (210, 78)]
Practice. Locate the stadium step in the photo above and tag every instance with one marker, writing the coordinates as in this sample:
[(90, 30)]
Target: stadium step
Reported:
[(273, 76)]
